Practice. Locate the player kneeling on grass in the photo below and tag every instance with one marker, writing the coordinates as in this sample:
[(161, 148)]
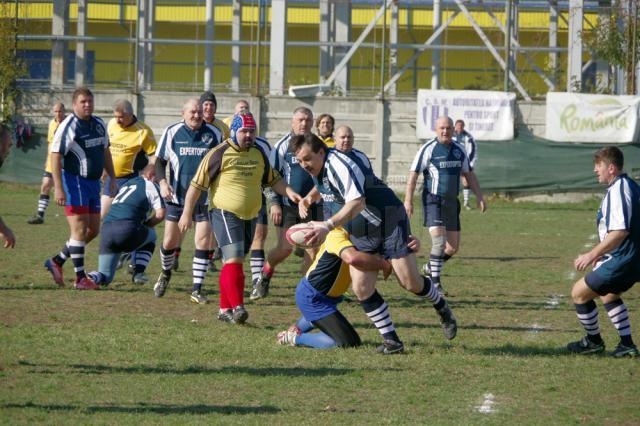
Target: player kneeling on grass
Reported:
[(126, 228), (234, 173), (615, 259), (321, 290)]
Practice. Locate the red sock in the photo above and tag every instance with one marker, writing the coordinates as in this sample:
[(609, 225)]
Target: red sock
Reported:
[(235, 289), (227, 286), (267, 269)]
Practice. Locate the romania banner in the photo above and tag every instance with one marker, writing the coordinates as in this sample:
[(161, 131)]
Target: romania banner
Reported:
[(576, 117), (487, 115)]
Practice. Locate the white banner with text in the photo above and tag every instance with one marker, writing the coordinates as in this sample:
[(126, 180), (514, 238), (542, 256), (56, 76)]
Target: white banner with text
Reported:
[(487, 115), (577, 117)]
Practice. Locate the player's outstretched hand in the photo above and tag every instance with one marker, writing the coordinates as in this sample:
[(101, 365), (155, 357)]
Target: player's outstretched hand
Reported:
[(293, 195), (303, 207), (482, 205)]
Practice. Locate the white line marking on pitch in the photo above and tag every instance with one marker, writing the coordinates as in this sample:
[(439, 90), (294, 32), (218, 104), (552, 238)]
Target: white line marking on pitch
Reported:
[(593, 236), (553, 301), (487, 404)]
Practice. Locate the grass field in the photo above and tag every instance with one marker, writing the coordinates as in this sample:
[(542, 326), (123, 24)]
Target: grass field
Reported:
[(121, 356)]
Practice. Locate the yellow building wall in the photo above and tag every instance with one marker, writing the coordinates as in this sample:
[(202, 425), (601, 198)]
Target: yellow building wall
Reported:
[(181, 65)]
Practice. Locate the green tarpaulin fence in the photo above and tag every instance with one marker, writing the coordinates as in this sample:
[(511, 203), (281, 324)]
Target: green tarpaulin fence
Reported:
[(525, 164)]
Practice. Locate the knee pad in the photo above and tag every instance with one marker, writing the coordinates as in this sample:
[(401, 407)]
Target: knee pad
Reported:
[(438, 244)]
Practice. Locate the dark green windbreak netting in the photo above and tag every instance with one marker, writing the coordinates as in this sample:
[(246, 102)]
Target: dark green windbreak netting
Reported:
[(525, 164)]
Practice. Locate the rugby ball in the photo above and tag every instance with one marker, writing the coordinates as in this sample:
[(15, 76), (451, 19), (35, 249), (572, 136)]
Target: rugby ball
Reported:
[(297, 235)]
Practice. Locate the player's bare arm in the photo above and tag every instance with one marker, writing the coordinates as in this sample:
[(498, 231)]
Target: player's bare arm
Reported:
[(193, 194), (612, 240), (365, 261), (408, 195), (472, 180), (56, 172)]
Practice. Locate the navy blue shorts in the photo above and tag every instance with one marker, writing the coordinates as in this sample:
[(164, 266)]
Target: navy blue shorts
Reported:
[(291, 217), (263, 217), (614, 275), (440, 211), (232, 231), (174, 211), (119, 180), (122, 236), (389, 239), (312, 304)]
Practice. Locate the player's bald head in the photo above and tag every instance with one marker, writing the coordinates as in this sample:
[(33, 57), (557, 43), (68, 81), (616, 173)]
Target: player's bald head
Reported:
[(444, 129), (189, 103)]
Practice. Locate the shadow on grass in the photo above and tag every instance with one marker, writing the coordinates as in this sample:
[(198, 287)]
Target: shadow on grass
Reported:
[(143, 369), (143, 408), (524, 351), (461, 327), (506, 258)]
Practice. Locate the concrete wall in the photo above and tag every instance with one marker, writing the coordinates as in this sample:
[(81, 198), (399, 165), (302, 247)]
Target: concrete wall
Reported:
[(385, 130)]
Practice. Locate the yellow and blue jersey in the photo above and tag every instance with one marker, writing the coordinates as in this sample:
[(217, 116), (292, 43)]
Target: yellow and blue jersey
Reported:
[(222, 126), (125, 143), (328, 274)]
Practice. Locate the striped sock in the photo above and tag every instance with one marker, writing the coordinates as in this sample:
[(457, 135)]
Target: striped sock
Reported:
[(142, 257), (166, 258), (256, 262), (378, 312), (43, 203), (199, 267), (64, 254), (619, 316), (588, 315), (431, 293), (436, 261), (465, 196), (76, 249)]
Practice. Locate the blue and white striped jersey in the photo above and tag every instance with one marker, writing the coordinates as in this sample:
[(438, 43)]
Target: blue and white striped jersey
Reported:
[(471, 148), (82, 144), (620, 210), (285, 162), (342, 180), (183, 149), (134, 200), (441, 165)]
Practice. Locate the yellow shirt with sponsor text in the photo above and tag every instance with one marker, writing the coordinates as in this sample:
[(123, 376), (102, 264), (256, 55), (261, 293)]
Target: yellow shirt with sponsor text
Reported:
[(234, 178), (328, 273), (126, 142)]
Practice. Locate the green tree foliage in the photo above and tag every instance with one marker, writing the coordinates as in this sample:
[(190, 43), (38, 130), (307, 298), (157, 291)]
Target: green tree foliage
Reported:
[(617, 40), (10, 67)]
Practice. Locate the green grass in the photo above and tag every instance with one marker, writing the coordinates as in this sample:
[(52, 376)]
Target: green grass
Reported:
[(121, 356)]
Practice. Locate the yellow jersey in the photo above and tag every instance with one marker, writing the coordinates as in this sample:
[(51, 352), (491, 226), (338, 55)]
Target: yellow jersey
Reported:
[(328, 273), (234, 178), (328, 141), (125, 143), (53, 126), (222, 126)]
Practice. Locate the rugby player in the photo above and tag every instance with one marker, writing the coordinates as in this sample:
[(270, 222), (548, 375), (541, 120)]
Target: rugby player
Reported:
[(79, 155), (182, 146), (615, 259), (441, 161), (59, 113)]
